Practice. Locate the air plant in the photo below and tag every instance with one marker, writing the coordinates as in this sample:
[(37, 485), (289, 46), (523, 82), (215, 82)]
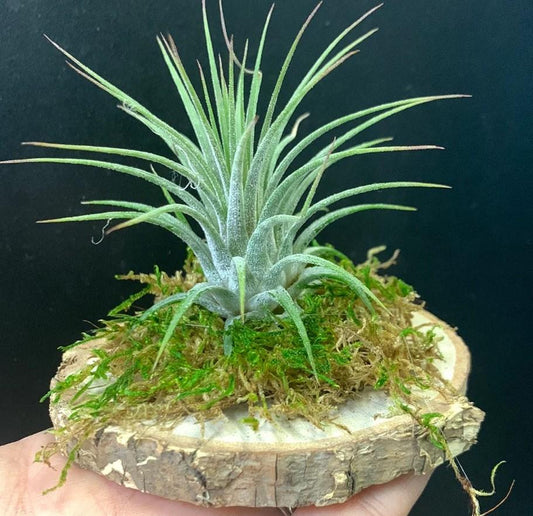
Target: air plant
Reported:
[(248, 212)]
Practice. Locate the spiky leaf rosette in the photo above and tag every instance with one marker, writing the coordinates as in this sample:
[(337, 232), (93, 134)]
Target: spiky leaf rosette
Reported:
[(254, 207)]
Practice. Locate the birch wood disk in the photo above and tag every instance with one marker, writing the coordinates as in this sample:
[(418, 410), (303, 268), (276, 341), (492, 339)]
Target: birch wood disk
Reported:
[(286, 463)]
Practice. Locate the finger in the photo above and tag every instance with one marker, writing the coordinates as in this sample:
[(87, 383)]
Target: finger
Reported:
[(85, 493), (395, 498)]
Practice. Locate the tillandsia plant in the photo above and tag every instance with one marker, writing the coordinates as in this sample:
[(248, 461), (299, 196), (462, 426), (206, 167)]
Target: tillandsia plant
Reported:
[(250, 217), (248, 212)]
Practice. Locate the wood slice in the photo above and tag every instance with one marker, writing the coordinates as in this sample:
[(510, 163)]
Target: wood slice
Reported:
[(285, 463)]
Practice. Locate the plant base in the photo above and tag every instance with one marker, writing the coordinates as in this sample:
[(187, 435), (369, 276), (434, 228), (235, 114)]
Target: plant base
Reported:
[(285, 462)]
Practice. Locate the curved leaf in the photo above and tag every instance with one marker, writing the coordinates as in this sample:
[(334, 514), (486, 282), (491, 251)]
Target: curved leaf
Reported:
[(360, 289), (290, 306)]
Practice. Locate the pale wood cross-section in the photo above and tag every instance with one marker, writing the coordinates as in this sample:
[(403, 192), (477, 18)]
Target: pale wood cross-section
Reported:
[(285, 463)]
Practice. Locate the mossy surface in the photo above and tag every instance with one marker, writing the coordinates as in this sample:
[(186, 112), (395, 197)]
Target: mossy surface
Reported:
[(268, 368)]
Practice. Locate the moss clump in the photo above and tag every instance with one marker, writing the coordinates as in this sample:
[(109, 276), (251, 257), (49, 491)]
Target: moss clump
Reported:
[(268, 368)]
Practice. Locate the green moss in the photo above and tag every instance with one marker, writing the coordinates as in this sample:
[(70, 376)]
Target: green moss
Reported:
[(268, 366)]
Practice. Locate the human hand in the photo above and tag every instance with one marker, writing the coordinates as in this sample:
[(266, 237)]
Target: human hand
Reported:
[(89, 494)]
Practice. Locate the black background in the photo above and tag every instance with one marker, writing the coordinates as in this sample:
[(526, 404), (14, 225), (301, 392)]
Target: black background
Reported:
[(467, 250)]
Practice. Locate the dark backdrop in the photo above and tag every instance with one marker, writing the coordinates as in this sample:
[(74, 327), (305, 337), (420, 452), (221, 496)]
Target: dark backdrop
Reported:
[(468, 250)]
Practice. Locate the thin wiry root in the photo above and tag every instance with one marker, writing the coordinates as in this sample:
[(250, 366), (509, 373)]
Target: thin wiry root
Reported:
[(473, 493), (102, 236)]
